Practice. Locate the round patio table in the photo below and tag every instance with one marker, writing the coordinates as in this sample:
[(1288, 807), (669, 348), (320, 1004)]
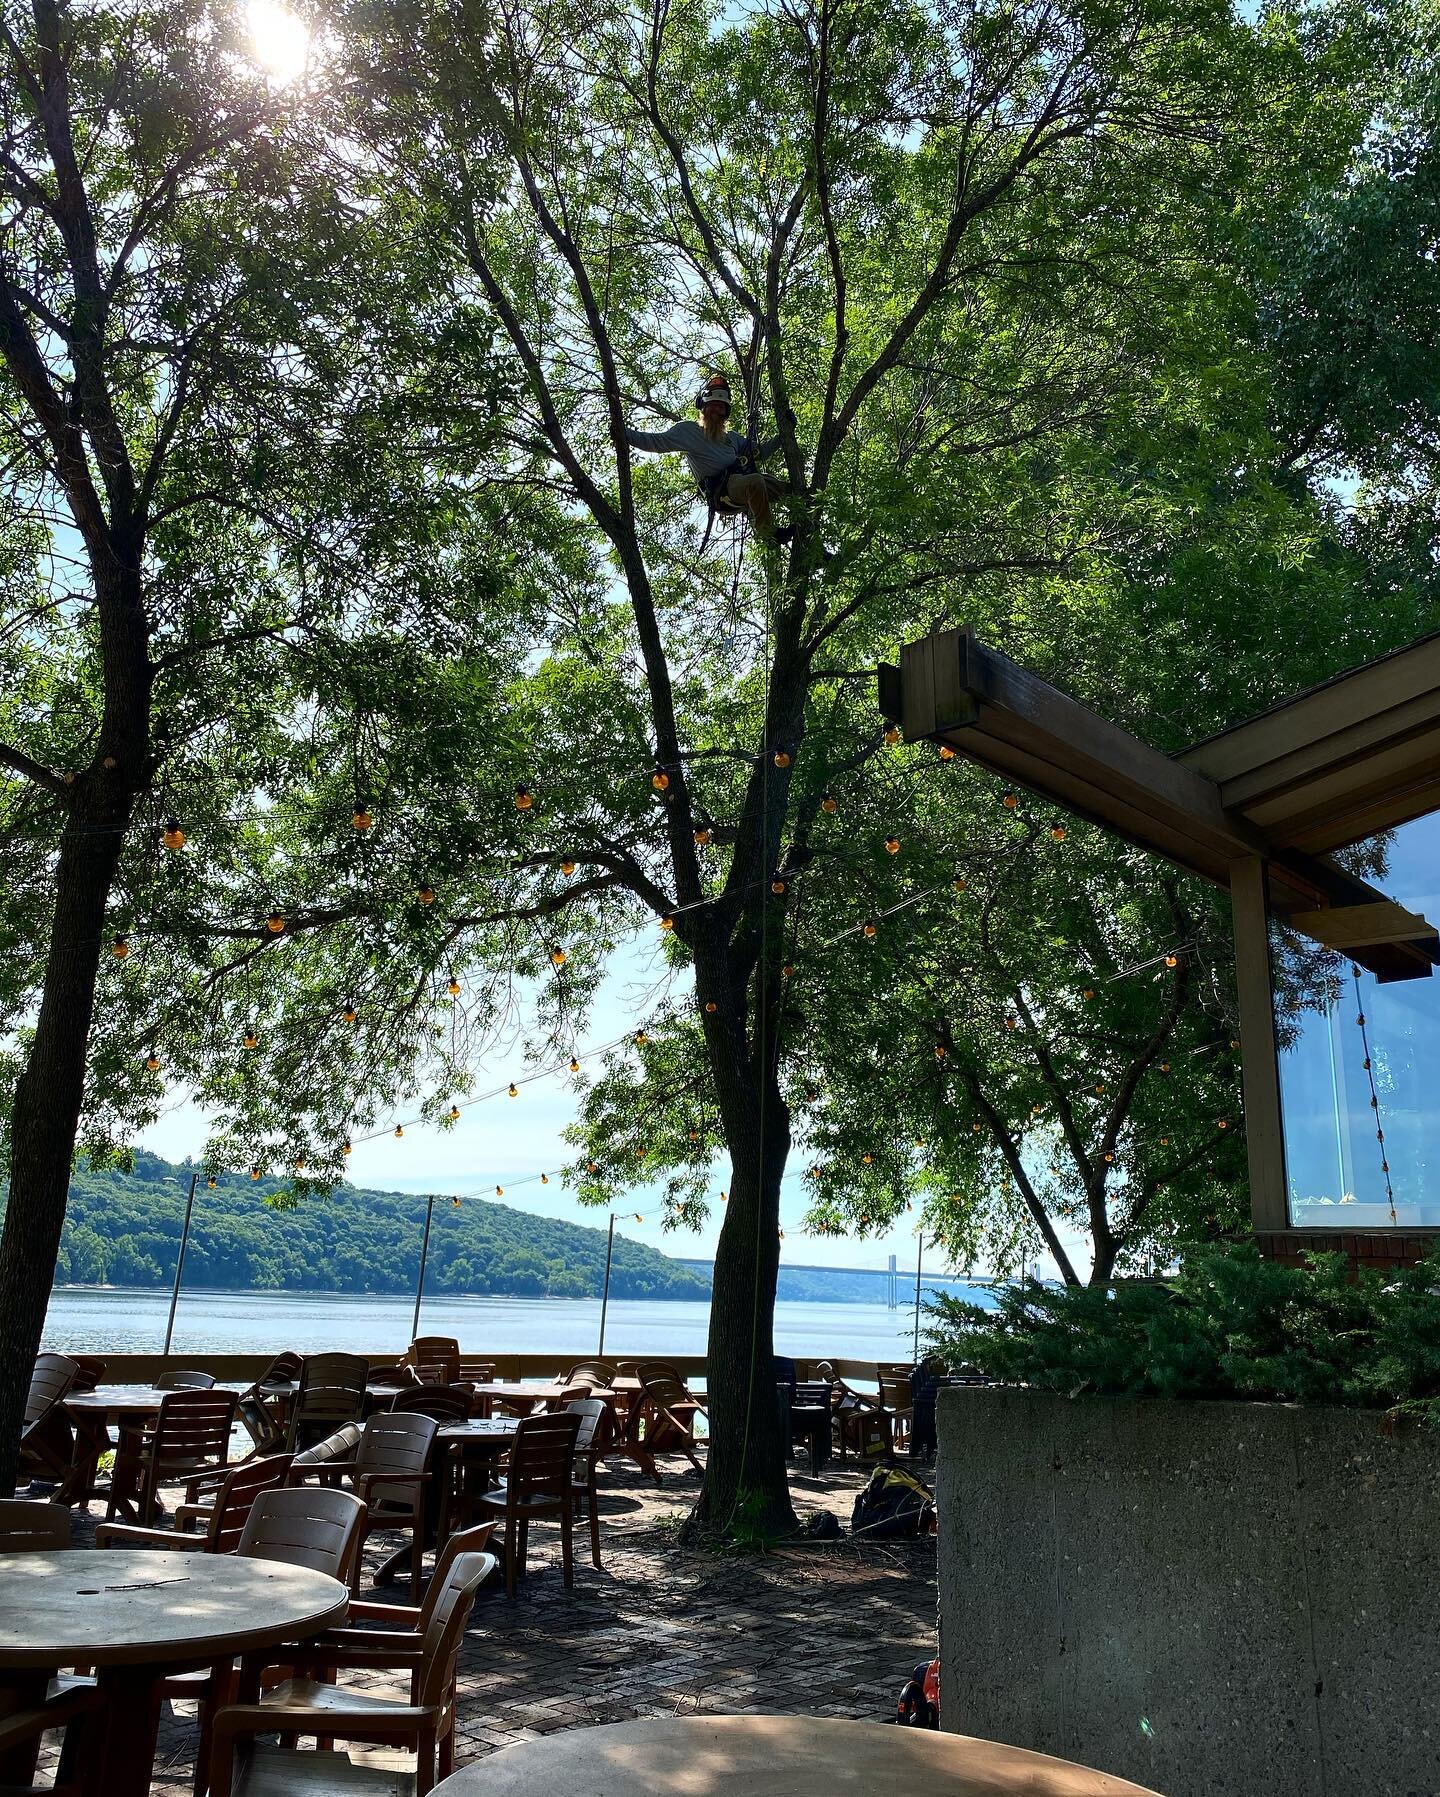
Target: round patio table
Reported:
[(774, 1756), (136, 1617)]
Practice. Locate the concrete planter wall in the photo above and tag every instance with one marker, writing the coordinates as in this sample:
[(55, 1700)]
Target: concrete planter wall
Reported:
[(1216, 1600)]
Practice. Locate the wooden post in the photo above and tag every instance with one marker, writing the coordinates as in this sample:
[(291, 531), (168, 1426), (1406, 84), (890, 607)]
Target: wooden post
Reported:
[(1260, 1069)]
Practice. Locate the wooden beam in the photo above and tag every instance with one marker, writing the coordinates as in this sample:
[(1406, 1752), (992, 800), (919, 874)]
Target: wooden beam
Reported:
[(1361, 926), (1259, 1059)]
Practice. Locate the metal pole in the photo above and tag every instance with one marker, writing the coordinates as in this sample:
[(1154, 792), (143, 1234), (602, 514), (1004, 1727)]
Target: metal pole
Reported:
[(605, 1295), (180, 1261), (424, 1256), (919, 1256)]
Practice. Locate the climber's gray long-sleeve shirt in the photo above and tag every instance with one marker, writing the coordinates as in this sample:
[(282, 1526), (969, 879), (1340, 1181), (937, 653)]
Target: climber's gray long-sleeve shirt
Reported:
[(706, 457)]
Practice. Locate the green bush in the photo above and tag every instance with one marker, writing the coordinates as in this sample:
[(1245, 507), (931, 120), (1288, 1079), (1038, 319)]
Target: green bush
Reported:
[(1229, 1324)]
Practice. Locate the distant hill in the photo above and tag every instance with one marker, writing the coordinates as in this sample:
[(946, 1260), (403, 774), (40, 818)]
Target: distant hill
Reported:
[(124, 1229), (848, 1285)]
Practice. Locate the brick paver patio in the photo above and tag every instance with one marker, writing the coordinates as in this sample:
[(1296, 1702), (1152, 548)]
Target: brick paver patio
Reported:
[(816, 1628)]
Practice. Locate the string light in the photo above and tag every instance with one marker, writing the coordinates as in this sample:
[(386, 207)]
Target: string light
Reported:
[(173, 836), (660, 780), (1057, 832), (892, 845), (499, 1191), (702, 837), (1100, 1088), (829, 804), (787, 972), (1223, 1123), (514, 1090), (250, 1039), (523, 798), (455, 1203), (1172, 960), (152, 1063), (641, 1038), (867, 1160), (781, 759), (667, 923), (544, 1179), (360, 817), (557, 955), (777, 886), (275, 923), (350, 1014), (1109, 1158), (454, 1113), (452, 986), (300, 1166), (426, 895), (1088, 994), (210, 1181), (592, 1166), (399, 1129), (892, 734), (254, 1173), (1164, 1066), (711, 1007), (120, 947), (939, 1056), (959, 884), (867, 929), (345, 1147), (1009, 801), (946, 752), (574, 1063)]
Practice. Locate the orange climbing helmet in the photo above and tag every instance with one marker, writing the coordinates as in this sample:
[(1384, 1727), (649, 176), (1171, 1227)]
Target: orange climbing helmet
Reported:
[(716, 389)]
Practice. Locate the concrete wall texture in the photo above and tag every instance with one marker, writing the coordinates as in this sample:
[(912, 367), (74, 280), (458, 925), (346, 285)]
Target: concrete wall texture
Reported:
[(1215, 1600)]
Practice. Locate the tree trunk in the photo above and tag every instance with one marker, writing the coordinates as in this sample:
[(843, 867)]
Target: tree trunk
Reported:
[(46, 1116), (745, 1490)]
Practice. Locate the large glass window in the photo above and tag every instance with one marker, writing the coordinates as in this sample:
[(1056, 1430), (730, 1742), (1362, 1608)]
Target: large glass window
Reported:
[(1361, 1101)]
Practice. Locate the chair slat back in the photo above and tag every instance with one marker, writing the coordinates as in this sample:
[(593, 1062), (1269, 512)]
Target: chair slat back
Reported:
[(331, 1392), (662, 1369), (284, 1369), (192, 1431), (663, 1385), (89, 1371), (183, 1379), (52, 1378), (592, 1412), (542, 1454), (237, 1498), (33, 1526), (476, 1372), (812, 1393), (305, 1525), (445, 1628), (396, 1443), (446, 1403), (464, 1541), (895, 1391), (436, 1358), (599, 1375)]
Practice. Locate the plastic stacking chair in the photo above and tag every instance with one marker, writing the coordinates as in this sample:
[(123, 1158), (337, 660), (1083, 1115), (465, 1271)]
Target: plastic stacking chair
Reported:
[(183, 1379), (435, 1358), (261, 1408), (538, 1487), (599, 1375), (590, 1443), (331, 1392), (46, 1438), (670, 1410), (446, 1403), (209, 1528), (20, 1728), (306, 1706), (33, 1526), (389, 1473), (897, 1401), (191, 1435)]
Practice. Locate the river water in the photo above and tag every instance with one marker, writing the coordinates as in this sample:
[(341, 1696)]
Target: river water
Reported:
[(89, 1320)]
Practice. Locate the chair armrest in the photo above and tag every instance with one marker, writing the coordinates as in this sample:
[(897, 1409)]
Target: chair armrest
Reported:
[(211, 1482), (186, 1514), (360, 1647), (236, 1721), (129, 1534), (318, 1469)]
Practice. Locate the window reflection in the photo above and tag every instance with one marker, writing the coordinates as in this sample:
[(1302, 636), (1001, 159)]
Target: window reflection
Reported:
[(1361, 1141)]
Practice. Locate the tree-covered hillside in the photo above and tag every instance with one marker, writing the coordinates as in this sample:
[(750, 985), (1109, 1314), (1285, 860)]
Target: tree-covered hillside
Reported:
[(124, 1229)]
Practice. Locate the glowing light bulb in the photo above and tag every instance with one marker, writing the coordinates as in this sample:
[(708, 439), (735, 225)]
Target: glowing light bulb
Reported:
[(702, 837), (567, 868), (892, 845), (452, 986), (557, 956), (426, 895), (172, 835), (454, 1113), (514, 1090), (275, 923)]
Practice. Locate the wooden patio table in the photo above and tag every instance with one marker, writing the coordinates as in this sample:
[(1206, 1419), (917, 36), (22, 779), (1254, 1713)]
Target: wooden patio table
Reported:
[(774, 1756), (137, 1617), (130, 1408)]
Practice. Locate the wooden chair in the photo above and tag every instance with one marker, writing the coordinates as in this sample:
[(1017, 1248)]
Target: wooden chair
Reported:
[(389, 1475), (191, 1435), (599, 1375), (538, 1487), (207, 1528), (306, 1706), (331, 1392), (183, 1379), (89, 1371), (590, 1443), (670, 1411), (33, 1526), (435, 1358), (446, 1403), (260, 1411), (46, 1439)]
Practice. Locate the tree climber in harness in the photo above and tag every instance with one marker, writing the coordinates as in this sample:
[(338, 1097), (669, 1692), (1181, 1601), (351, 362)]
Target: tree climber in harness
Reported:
[(722, 461)]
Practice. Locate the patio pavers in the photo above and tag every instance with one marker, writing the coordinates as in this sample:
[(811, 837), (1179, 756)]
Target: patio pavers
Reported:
[(821, 1629)]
